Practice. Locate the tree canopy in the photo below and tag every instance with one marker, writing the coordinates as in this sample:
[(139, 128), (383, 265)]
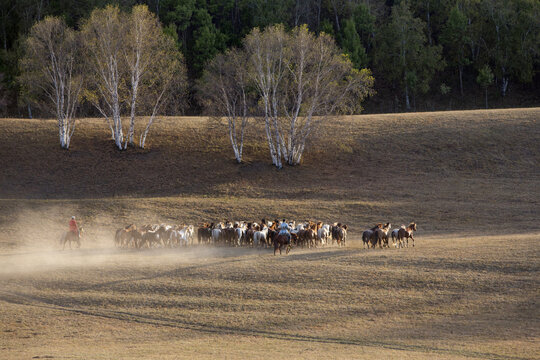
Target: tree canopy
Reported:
[(446, 42)]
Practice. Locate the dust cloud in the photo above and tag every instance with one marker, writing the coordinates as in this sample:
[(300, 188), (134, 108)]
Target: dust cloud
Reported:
[(34, 245)]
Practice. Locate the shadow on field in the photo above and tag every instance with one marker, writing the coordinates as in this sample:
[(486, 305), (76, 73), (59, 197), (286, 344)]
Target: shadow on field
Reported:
[(22, 299)]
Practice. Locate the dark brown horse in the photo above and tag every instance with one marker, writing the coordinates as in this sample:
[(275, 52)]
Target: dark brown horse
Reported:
[(404, 233), (380, 235), (204, 233), (281, 241), (367, 234), (341, 235), (248, 235)]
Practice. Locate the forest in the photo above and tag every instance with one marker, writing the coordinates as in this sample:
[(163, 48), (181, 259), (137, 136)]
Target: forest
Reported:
[(423, 54)]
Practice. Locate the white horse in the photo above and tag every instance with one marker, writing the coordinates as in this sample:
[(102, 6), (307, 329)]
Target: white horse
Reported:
[(239, 233), (259, 236), (177, 236), (323, 234), (190, 230), (298, 228)]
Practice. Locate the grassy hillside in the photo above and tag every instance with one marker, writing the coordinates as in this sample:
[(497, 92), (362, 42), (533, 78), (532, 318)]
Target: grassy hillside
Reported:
[(469, 289), (464, 171)]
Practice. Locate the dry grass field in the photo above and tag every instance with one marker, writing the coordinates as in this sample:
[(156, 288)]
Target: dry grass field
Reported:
[(469, 289)]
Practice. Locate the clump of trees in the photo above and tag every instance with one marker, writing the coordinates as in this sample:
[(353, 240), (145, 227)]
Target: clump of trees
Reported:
[(240, 65), (463, 37), (121, 63), (296, 78)]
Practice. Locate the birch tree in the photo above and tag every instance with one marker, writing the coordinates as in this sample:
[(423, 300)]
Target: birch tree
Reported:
[(302, 80), (224, 90), (143, 40), (104, 40), (50, 69), (135, 67), (164, 82), (266, 51)]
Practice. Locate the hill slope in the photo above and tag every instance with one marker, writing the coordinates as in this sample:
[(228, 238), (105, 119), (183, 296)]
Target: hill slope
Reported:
[(449, 171)]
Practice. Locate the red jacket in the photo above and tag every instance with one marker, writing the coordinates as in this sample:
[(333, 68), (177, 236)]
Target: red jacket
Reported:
[(73, 225)]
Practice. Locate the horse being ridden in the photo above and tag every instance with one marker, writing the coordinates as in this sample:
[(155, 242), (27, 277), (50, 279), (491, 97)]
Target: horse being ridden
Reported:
[(284, 229), (73, 234), (283, 238)]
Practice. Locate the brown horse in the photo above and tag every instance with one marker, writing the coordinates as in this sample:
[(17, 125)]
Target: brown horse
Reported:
[(307, 237), (380, 235), (281, 241), (204, 233), (123, 235), (341, 235), (404, 233), (70, 236)]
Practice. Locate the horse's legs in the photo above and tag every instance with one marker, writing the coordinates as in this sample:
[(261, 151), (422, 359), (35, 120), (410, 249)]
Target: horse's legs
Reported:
[(412, 240)]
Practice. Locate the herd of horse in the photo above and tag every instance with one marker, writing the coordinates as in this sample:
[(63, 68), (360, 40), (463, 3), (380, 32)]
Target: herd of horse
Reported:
[(258, 234), (378, 235), (238, 233)]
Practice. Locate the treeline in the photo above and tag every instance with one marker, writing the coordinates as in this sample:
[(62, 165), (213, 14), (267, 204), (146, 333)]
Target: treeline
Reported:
[(420, 52)]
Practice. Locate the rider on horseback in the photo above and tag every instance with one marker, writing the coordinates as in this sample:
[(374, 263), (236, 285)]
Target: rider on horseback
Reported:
[(284, 229), (73, 226)]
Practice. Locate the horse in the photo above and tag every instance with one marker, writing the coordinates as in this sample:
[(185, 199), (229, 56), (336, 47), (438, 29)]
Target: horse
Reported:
[(394, 234), (228, 235), (151, 237), (307, 237), (323, 234), (239, 231), (366, 235), (280, 241), (204, 233), (341, 235), (189, 233), (178, 236), (69, 236), (123, 235), (271, 235), (334, 231), (380, 235), (260, 236), (298, 228), (406, 233), (216, 233), (248, 234)]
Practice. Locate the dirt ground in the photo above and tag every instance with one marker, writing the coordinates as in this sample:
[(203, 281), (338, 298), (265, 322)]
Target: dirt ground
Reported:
[(448, 297)]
